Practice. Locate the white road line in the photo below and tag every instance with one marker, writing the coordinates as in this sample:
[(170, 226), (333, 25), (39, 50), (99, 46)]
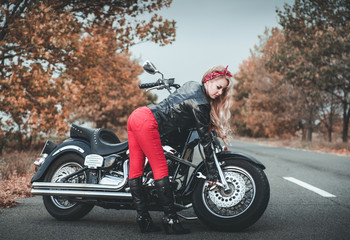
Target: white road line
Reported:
[(309, 187)]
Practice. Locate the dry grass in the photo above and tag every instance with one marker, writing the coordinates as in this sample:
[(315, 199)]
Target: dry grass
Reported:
[(16, 171), (13, 188)]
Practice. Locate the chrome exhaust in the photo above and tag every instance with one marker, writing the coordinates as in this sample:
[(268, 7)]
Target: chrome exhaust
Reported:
[(77, 193), (81, 189), (78, 190), (76, 186)]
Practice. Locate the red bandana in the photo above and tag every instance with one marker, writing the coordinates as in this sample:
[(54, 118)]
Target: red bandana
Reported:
[(213, 75)]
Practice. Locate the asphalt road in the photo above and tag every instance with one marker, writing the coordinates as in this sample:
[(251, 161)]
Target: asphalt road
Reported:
[(310, 199)]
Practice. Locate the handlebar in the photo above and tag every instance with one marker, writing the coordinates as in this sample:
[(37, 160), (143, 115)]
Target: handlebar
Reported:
[(160, 84), (149, 85)]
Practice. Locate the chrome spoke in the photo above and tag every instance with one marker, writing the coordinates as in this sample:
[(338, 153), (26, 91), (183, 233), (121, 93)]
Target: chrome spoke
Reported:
[(61, 172), (235, 201)]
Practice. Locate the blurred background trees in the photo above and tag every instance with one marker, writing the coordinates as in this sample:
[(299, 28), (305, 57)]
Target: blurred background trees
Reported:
[(63, 59), (300, 72), (319, 34), (265, 105)]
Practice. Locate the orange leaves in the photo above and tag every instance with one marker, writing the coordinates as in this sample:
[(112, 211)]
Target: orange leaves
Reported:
[(106, 91), (312, 56), (16, 171), (31, 102), (61, 62), (262, 99)]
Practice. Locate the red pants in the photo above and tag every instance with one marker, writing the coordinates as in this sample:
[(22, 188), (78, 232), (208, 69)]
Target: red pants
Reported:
[(144, 140)]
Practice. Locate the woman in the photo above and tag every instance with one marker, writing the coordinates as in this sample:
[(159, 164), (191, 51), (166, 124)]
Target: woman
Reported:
[(193, 105)]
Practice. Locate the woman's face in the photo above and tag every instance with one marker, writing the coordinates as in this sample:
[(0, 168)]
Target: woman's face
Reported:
[(215, 87)]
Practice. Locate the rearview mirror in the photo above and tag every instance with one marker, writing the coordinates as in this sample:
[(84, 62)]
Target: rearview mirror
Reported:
[(150, 68)]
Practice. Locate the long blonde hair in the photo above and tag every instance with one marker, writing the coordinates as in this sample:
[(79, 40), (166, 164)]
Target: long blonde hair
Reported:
[(221, 107)]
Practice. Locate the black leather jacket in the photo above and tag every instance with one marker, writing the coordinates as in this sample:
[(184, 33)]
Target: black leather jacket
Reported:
[(186, 108)]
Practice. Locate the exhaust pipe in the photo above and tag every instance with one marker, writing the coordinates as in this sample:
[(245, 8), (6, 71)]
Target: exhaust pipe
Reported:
[(83, 190), (78, 193), (78, 190), (76, 186)]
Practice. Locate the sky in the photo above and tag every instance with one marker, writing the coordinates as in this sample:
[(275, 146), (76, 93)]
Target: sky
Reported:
[(208, 33)]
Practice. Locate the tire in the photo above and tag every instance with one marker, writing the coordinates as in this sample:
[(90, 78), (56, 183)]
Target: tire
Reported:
[(239, 208), (59, 207)]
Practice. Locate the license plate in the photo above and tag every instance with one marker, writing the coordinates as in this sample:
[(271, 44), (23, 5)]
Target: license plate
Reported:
[(93, 161)]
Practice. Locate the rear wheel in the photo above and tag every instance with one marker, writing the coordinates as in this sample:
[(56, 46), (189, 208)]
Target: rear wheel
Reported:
[(241, 206), (60, 207)]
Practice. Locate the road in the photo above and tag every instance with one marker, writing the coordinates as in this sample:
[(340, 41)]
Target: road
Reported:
[(310, 199)]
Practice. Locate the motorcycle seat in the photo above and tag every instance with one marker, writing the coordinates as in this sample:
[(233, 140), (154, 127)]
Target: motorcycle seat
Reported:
[(103, 141)]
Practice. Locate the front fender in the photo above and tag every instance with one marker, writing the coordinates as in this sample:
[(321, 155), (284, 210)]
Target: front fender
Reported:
[(222, 156), (78, 146)]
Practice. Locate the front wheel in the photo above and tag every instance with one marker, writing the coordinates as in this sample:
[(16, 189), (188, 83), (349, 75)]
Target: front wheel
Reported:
[(241, 206), (60, 207)]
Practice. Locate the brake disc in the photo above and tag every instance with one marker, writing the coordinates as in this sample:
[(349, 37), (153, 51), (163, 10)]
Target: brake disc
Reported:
[(232, 197)]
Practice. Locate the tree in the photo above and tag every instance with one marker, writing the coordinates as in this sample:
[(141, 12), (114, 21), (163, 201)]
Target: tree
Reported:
[(31, 107), (290, 63), (266, 106), (107, 91), (329, 114), (315, 54), (41, 40), (33, 27), (269, 108)]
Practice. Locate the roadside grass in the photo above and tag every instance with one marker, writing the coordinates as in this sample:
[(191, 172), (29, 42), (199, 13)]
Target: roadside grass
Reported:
[(16, 171)]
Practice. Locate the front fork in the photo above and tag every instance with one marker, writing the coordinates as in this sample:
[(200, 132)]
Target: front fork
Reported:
[(223, 183), (216, 147)]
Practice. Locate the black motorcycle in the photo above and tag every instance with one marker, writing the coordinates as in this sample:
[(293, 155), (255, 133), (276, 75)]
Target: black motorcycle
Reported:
[(91, 168)]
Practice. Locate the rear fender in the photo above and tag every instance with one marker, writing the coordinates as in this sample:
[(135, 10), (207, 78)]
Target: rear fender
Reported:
[(222, 156), (77, 146)]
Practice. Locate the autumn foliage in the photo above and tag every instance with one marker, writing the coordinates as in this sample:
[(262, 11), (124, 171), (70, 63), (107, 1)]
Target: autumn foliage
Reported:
[(297, 78), (107, 90), (265, 105), (315, 56), (68, 60)]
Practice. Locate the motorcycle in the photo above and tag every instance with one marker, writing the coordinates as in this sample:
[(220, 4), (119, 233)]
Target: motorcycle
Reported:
[(91, 169)]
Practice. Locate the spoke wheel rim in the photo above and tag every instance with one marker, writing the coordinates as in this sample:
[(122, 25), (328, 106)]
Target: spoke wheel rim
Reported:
[(234, 202), (62, 171)]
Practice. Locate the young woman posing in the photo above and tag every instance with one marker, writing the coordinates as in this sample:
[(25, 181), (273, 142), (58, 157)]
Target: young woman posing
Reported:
[(202, 106)]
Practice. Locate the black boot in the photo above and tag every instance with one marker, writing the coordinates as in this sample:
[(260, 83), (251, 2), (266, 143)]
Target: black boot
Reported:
[(143, 219), (171, 222)]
